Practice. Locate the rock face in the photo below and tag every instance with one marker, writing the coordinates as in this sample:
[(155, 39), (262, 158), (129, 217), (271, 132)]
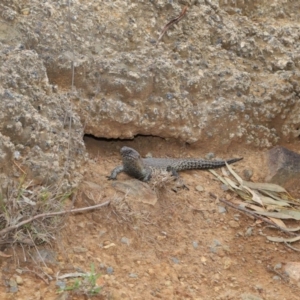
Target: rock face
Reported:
[(226, 72), (36, 140), (283, 167)]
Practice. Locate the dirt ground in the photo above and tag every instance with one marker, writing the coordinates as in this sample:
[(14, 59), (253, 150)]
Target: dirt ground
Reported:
[(182, 247)]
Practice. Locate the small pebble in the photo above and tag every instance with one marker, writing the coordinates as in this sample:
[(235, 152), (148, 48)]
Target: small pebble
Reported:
[(233, 224), (175, 260), (224, 187), (19, 280), (221, 209), (247, 174), (125, 240), (79, 250), (195, 245), (278, 266), (109, 270), (277, 278), (210, 155), (199, 188), (61, 284), (13, 287), (249, 231), (133, 275)]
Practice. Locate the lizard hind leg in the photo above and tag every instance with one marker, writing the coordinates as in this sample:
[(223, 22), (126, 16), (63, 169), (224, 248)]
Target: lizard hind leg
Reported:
[(177, 178), (173, 171)]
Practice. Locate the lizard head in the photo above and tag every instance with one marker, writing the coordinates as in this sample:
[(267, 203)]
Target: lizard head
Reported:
[(128, 152)]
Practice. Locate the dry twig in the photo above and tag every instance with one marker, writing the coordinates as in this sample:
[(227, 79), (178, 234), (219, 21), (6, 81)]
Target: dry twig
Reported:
[(252, 213), (47, 215)]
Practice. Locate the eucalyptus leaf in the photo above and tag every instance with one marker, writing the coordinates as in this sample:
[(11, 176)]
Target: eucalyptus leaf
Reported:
[(235, 175), (231, 183), (255, 196), (275, 214), (295, 214), (283, 240), (264, 186)]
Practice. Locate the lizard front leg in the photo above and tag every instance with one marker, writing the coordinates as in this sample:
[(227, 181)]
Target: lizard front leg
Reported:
[(115, 172)]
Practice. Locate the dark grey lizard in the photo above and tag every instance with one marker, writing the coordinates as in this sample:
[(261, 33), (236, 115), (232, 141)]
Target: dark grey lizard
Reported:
[(141, 168)]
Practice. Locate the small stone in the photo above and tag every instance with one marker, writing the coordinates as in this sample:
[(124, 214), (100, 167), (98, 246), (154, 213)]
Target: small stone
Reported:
[(175, 260), (203, 260), (151, 271), (210, 155), (13, 287), (109, 270), (278, 266), (195, 245), (224, 187), (249, 231), (247, 174), (233, 224), (259, 288), (125, 240), (276, 277), (79, 250), (61, 284), (133, 275), (102, 266), (221, 209), (199, 188), (19, 280), (216, 243)]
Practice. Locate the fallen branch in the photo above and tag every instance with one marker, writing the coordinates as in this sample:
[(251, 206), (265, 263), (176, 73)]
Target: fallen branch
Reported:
[(290, 246), (47, 215), (172, 22), (250, 212)]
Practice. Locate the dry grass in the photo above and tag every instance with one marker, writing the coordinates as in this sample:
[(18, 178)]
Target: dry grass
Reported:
[(23, 201)]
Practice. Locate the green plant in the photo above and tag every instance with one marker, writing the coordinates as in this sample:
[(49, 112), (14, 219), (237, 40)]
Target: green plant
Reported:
[(86, 285)]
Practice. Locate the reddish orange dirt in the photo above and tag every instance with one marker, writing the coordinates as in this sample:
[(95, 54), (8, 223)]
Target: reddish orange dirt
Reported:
[(180, 248)]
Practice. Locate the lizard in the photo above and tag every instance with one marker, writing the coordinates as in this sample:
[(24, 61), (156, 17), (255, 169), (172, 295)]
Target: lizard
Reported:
[(141, 168)]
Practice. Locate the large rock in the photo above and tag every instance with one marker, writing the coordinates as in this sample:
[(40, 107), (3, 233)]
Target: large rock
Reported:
[(221, 74), (36, 140), (283, 167)]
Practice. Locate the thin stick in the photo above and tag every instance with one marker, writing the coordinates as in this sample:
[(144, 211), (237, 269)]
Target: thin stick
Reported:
[(172, 22), (252, 213), (290, 246), (47, 215), (19, 168), (37, 274)]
